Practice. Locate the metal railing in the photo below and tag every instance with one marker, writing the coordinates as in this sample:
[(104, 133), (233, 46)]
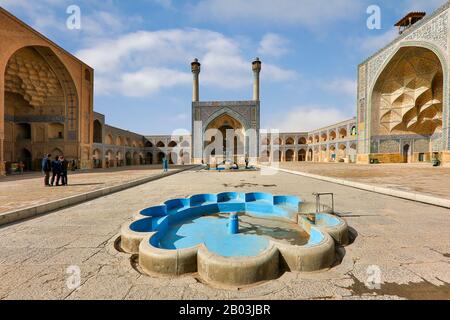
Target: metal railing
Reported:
[(318, 195)]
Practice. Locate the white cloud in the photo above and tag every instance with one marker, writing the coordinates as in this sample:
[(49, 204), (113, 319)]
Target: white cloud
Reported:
[(340, 85), (310, 13), (150, 80), (273, 45), (306, 118), (141, 63), (50, 16)]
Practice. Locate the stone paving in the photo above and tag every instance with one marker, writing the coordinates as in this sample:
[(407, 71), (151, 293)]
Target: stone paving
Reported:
[(409, 243), (18, 192), (421, 178)]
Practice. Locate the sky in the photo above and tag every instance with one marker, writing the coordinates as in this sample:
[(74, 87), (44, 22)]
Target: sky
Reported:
[(141, 52)]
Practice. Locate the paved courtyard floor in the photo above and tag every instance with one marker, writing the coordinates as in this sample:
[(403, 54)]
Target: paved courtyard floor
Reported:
[(421, 178), (407, 241), (28, 190)]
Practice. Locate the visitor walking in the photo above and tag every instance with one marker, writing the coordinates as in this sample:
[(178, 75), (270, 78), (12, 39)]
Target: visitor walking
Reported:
[(56, 171), (46, 169), (64, 167), (165, 165)]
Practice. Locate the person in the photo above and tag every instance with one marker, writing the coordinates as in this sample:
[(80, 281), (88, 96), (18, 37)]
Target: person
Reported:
[(246, 163), (46, 169), (56, 171), (64, 166), (165, 164), (21, 167)]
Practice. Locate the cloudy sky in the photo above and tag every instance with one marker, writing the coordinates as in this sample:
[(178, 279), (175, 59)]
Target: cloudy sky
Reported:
[(141, 52)]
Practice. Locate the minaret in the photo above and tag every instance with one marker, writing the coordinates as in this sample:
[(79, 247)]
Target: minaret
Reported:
[(195, 72), (256, 66)]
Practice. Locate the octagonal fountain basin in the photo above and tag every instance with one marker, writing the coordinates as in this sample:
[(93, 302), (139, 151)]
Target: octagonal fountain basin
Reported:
[(193, 235)]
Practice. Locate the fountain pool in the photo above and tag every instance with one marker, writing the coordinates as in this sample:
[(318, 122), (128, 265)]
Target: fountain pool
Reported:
[(193, 235)]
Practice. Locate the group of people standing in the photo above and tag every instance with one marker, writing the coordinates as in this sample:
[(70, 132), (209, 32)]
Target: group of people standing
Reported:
[(58, 168)]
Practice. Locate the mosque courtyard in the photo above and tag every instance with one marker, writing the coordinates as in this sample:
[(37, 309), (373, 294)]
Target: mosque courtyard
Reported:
[(405, 240), (238, 205)]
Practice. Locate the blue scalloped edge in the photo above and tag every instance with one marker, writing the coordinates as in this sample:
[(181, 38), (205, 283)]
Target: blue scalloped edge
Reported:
[(258, 204)]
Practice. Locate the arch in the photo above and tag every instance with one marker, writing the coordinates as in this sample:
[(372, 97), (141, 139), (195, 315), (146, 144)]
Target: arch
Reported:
[(352, 152), (277, 141), (230, 113), (302, 141), (217, 136), (406, 153), (173, 157), (128, 158), (109, 139), (149, 158), (148, 144), (324, 137), (26, 158), (110, 160), (23, 131), (97, 158), (310, 155), (56, 152), (185, 144), (311, 139), (289, 155), (160, 157), (97, 154), (290, 141), (160, 144), (332, 153), (407, 96), (119, 141), (333, 135), (342, 152), (98, 132), (119, 159), (172, 144), (56, 131), (136, 159), (316, 138), (343, 133), (301, 155), (36, 84), (128, 142)]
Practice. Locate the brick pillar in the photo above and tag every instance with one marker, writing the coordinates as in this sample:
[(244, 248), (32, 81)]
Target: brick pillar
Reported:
[(2, 161), (2, 126)]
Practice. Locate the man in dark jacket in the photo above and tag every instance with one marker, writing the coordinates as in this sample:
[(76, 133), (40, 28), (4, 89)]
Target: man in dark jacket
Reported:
[(46, 169), (56, 171), (64, 166)]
